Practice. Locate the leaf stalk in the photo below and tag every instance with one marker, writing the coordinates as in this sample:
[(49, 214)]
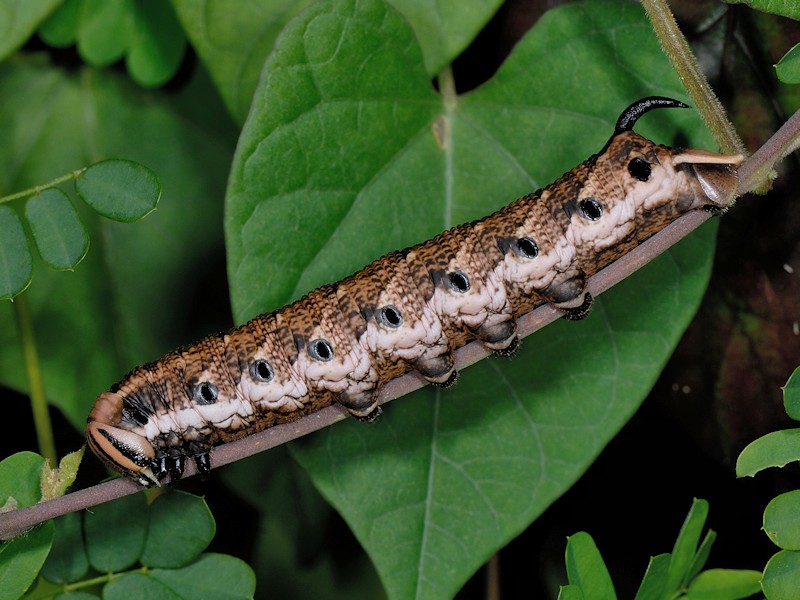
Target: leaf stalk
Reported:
[(38, 189)]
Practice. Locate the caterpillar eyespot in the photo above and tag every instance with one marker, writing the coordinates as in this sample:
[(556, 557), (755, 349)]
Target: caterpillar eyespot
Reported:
[(206, 393), (527, 248), (458, 282), (320, 350), (390, 316), (591, 209), (261, 371), (409, 310), (640, 169)]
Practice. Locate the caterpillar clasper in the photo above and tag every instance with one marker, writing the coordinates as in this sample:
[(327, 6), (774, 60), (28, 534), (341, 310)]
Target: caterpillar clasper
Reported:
[(408, 310)]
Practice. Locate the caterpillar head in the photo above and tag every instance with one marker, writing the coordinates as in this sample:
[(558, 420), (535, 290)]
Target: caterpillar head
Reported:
[(157, 416), (124, 450)]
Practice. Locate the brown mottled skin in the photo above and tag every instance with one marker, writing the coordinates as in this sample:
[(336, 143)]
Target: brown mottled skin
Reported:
[(407, 310)]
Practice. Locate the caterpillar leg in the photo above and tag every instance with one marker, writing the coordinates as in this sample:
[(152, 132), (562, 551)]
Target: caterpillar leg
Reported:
[(497, 336), (510, 350), (203, 462), (576, 313), (449, 382), (362, 405), (170, 465), (376, 412), (437, 370)]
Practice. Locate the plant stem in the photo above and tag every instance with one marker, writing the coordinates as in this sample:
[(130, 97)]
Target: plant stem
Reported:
[(41, 417), (685, 64), (37, 189), (102, 579)]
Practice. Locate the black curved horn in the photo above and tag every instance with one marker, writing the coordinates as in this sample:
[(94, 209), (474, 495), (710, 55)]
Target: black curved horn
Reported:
[(631, 114)]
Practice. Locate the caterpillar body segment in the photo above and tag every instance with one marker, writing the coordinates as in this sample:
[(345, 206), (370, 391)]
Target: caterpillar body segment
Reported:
[(409, 310)]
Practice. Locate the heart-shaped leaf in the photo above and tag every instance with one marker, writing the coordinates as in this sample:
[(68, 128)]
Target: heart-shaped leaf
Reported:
[(349, 153)]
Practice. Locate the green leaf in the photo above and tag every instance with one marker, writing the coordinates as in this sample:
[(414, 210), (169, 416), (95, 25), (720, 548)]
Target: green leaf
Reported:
[(135, 586), (654, 583), (586, 569), (570, 592), (19, 19), (211, 577), (54, 482), (145, 32), (233, 44), (19, 479), (781, 578), (157, 44), (22, 558), (724, 584), (683, 553), (791, 395), (445, 29), (60, 28), (701, 556), (59, 234), (105, 28), (67, 561), (121, 190), (268, 190), (353, 167), (115, 533), (786, 8), (181, 526), (782, 520), (16, 266), (775, 449), (788, 67)]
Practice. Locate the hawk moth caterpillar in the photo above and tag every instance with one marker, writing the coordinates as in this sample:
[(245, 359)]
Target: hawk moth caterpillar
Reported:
[(408, 310)]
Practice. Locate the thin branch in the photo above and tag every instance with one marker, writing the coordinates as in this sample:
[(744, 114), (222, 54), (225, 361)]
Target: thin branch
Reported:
[(685, 64), (14, 522), (38, 189)]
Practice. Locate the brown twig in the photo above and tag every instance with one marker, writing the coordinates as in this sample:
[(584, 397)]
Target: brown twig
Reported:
[(750, 172)]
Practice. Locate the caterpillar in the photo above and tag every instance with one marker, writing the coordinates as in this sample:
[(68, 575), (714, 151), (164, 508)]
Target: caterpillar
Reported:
[(408, 310)]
